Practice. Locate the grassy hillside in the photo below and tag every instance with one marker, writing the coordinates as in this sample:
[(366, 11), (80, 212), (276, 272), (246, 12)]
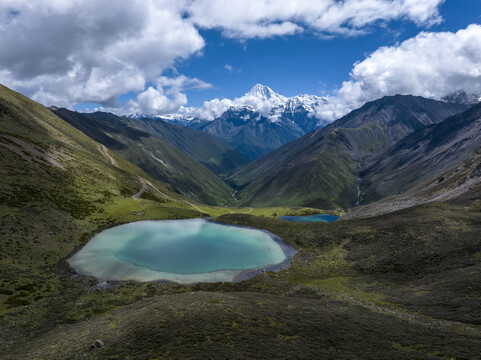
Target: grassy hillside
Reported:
[(206, 149), (405, 285), (462, 182), (58, 187), (402, 283), (159, 159), (321, 167), (424, 155)]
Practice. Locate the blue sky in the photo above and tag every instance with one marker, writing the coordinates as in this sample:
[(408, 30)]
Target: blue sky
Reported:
[(305, 63), (165, 56)]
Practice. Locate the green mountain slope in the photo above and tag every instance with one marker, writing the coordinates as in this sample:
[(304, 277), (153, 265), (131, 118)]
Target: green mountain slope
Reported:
[(321, 167), (402, 283), (206, 149), (249, 132), (157, 158), (58, 186), (424, 155), (461, 185)]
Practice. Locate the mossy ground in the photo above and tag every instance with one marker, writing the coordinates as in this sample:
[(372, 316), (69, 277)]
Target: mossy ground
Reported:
[(390, 287)]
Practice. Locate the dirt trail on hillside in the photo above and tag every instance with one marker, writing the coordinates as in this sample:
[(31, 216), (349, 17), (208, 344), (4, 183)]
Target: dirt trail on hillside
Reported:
[(146, 184), (106, 153), (153, 187), (142, 189), (194, 206)]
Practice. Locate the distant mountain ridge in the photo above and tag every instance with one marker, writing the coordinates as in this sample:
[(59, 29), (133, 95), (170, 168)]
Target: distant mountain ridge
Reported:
[(461, 97), (149, 149), (176, 119), (321, 168), (258, 122), (275, 104), (255, 133), (247, 124), (423, 155)]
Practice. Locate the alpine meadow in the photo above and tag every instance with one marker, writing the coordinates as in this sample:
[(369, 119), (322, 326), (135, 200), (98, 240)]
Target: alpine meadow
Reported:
[(243, 179)]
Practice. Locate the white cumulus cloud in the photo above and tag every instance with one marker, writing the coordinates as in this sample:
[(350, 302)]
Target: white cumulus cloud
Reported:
[(166, 96), (213, 108), (265, 18), (154, 101), (431, 64), (71, 51), (66, 52)]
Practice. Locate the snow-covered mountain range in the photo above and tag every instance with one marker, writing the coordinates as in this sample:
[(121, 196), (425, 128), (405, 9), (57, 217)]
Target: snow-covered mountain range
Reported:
[(255, 123), (262, 120), (260, 99), (183, 118), (461, 97)]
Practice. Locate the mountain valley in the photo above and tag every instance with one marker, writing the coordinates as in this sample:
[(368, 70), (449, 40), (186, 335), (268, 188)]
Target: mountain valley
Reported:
[(394, 278), (253, 132), (240, 179), (322, 167), (140, 143)]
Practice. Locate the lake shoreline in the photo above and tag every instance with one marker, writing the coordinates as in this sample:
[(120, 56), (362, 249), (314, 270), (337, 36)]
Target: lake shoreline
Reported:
[(94, 264)]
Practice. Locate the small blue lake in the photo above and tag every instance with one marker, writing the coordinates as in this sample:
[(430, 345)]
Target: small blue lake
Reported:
[(311, 218), (184, 251)]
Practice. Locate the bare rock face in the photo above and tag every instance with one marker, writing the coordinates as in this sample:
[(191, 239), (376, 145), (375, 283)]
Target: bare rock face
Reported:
[(255, 130)]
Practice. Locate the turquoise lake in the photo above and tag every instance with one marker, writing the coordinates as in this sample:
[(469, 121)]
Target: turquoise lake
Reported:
[(312, 218), (184, 251)]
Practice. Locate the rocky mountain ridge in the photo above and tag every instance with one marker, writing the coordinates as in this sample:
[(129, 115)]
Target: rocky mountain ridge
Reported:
[(256, 123), (322, 167)]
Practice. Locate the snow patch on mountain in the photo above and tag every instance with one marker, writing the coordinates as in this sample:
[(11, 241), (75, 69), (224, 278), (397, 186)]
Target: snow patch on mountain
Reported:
[(260, 99), (461, 97), (264, 93), (184, 116), (264, 100)]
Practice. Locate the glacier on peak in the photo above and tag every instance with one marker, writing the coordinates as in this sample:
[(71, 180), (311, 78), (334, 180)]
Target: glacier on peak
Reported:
[(265, 93)]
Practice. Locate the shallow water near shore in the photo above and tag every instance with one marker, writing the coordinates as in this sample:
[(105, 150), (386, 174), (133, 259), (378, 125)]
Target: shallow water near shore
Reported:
[(185, 251)]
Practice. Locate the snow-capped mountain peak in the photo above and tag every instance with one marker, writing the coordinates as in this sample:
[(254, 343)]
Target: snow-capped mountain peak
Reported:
[(308, 102), (261, 100), (264, 99), (139, 115), (264, 92), (461, 97)]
